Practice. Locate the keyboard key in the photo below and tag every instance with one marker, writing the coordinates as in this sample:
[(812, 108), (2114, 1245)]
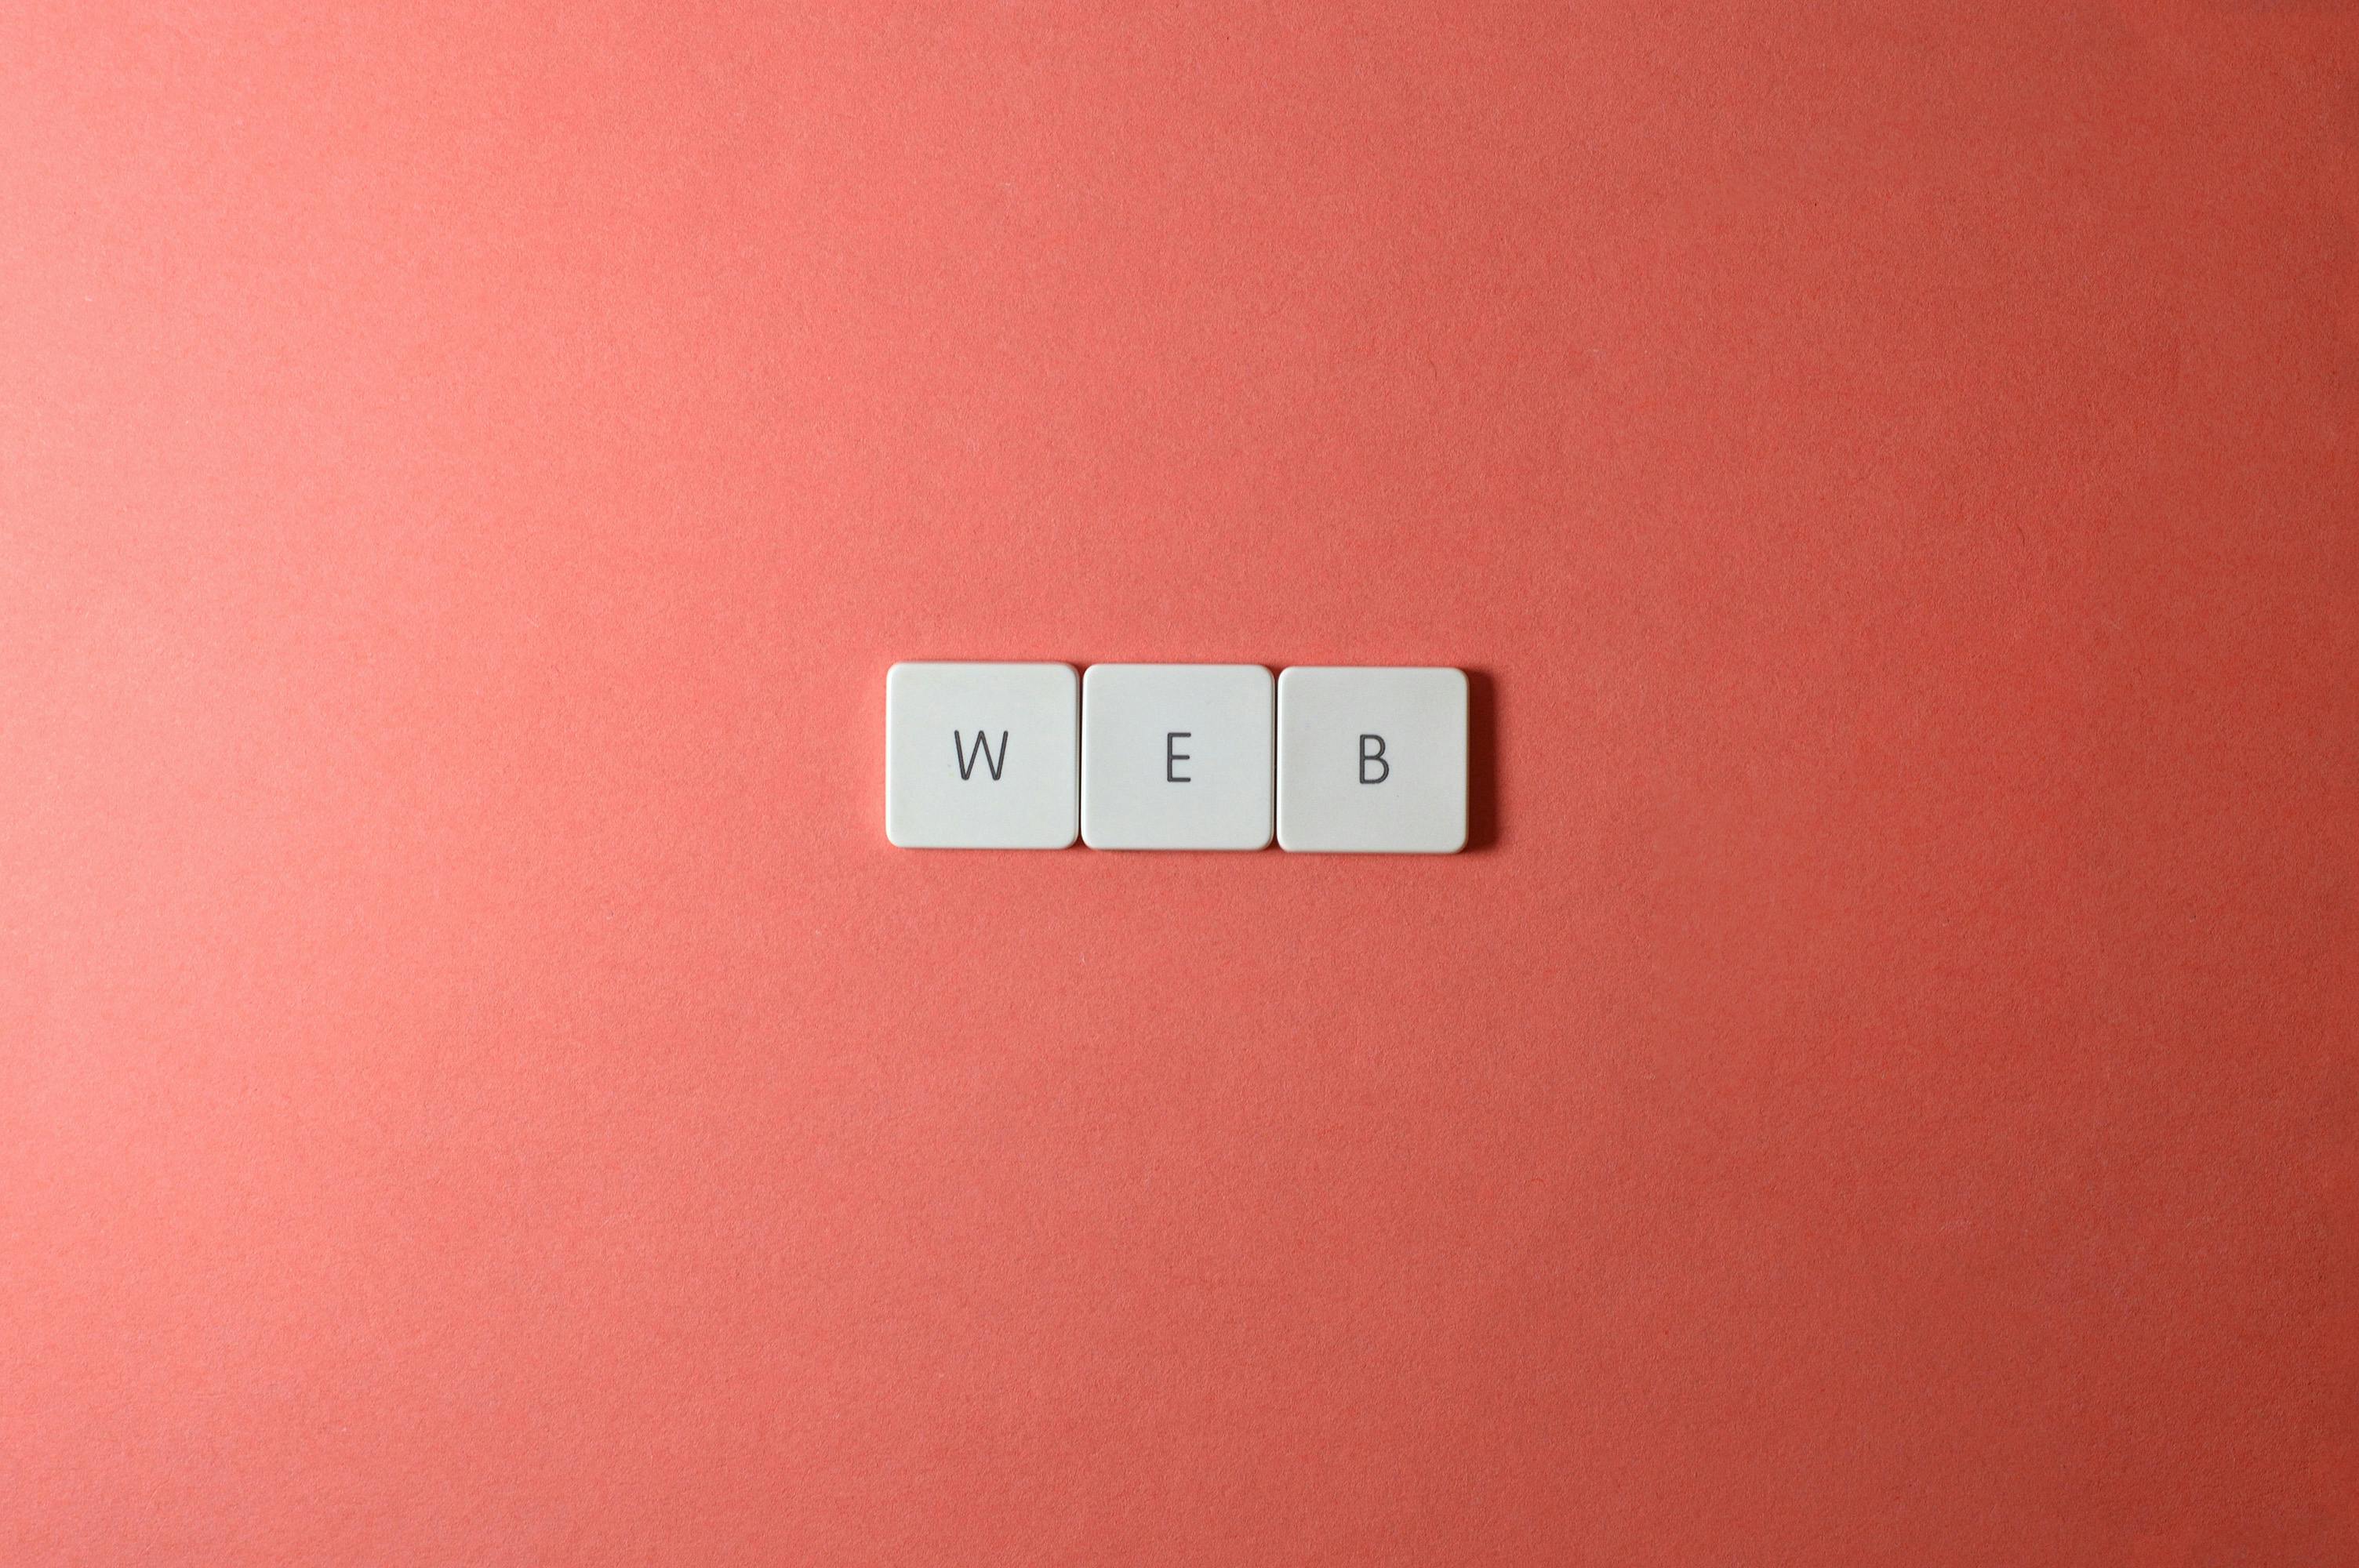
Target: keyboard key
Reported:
[(982, 756), (1177, 756), (1371, 758)]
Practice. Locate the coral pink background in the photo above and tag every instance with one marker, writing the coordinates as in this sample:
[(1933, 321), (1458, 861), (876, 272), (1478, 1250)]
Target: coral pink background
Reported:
[(476, 1087)]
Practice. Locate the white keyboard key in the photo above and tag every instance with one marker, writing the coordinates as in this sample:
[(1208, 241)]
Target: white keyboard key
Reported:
[(1371, 758), (1177, 756), (982, 756)]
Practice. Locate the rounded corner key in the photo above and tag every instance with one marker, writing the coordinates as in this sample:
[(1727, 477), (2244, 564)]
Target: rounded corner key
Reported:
[(982, 756), (1177, 756), (1371, 758)]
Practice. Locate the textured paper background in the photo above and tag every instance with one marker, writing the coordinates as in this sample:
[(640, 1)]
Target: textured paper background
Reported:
[(478, 1088)]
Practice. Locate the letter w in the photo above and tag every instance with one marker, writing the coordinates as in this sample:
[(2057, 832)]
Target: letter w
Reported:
[(981, 750)]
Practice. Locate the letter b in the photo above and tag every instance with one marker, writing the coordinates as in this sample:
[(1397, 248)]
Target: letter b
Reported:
[(1384, 768)]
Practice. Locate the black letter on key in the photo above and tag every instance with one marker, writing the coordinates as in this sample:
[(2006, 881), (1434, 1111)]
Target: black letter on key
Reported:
[(981, 750), (1377, 756), (1172, 756)]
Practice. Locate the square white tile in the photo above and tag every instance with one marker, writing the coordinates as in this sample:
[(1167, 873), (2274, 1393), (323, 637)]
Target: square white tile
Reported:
[(1177, 756), (982, 756), (1371, 758)]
